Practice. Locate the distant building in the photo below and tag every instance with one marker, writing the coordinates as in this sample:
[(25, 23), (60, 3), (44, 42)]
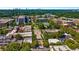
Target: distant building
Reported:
[(76, 21), (66, 23), (22, 19), (42, 19), (60, 21)]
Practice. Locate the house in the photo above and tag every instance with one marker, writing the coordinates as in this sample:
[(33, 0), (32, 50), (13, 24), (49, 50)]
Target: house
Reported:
[(53, 41)]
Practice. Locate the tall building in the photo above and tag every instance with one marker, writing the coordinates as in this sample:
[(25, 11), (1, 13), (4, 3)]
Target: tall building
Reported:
[(22, 20)]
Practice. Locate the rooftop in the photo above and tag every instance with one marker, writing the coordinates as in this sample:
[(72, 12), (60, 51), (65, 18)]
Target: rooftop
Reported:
[(53, 40), (5, 20), (61, 48)]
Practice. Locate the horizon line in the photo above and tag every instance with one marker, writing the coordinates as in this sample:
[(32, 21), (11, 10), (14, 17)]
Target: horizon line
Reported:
[(39, 7)]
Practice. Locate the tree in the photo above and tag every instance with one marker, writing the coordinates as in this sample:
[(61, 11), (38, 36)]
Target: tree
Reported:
[(18, 36), (45, 43), (3, 31), (52, 25), (77, 45), (14, 46), (67, 41), (77, 40), (34, 44), (33, 35), (71, 44), (41, 26), (25, 47)]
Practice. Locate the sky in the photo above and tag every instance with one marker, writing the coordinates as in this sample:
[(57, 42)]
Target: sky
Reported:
[(10, 4)]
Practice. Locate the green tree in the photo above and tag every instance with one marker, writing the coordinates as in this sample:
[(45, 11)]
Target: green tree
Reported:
[(25, 47), (14, 46), (41, 26), (3, 31), (34, 44), (33, 36), (71, 44), (18, 36), (45, 43)]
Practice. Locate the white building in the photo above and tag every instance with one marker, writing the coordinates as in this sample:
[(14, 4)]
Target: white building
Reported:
[(61, 48), (53, 40)]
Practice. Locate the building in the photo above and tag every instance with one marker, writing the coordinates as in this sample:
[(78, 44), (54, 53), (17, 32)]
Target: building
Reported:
[(5, 22), (77, 30), (42, 19), (66, 23), (24, 31), (61, 48), (28, 39), (22, 20), (38, 34), (4, 40), (51, 30), (64, 37), (53, 41), (40, 49), (76, 21)]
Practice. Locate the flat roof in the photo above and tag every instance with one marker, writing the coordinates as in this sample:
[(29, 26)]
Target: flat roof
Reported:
[(5, 20), (61, 48), (53, 40), (24, 34)]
